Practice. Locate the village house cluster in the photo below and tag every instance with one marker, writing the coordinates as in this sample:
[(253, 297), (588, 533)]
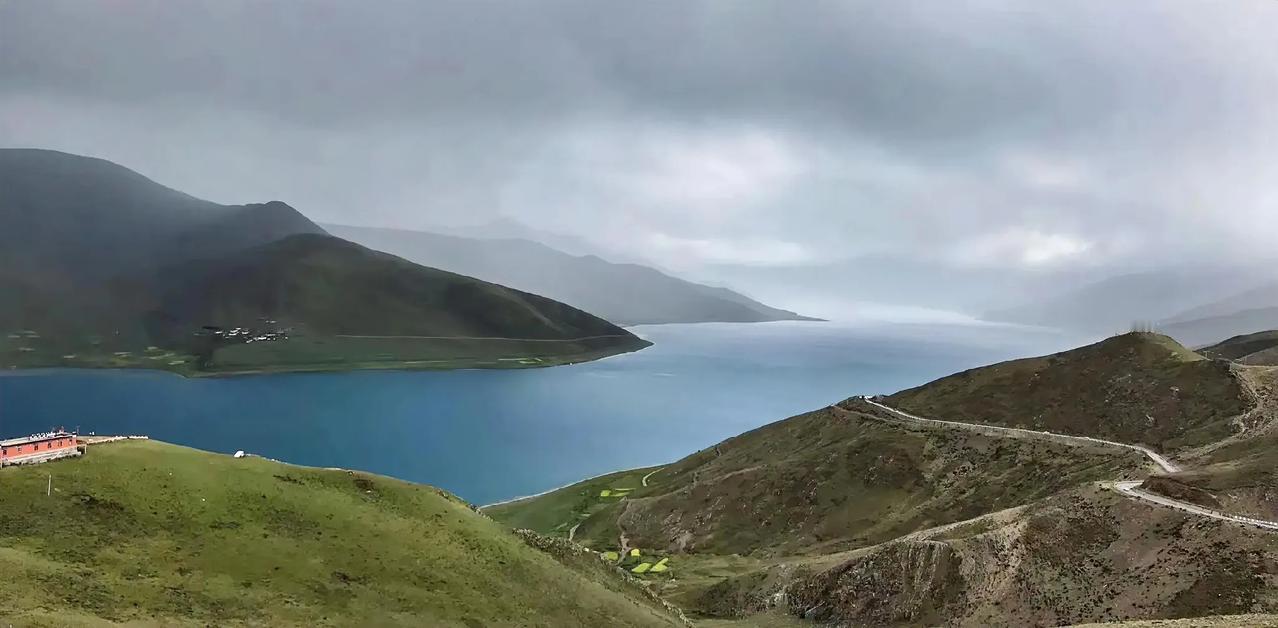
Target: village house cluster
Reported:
[(247, 335)]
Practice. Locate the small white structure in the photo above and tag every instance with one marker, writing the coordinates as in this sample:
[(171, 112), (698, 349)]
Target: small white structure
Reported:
[(240, 454)]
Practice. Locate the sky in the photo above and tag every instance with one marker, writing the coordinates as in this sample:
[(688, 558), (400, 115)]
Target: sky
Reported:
[(750, 143)]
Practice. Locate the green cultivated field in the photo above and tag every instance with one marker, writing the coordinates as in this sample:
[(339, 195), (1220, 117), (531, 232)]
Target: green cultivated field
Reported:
[(345, 353), (318, 353), (558, 511), (155, 534)]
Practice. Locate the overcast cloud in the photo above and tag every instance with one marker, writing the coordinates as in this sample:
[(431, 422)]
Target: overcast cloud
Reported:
[(1017, 137)]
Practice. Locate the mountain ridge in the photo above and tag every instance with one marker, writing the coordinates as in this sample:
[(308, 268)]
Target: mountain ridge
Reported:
[(106, 267), (626, 293)]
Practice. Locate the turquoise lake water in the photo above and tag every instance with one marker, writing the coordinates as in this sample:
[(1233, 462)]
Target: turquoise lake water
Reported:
[(492, 435)]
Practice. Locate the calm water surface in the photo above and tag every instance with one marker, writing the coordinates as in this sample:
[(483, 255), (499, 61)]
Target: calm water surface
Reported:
[(491, 435)]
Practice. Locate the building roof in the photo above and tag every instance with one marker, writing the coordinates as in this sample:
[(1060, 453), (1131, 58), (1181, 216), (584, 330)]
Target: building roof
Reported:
[(34, 438)]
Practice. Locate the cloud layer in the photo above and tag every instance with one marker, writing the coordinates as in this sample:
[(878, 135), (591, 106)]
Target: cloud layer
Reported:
[(1025, 137)]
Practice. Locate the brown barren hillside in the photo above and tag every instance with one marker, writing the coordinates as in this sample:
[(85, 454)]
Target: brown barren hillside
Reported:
[(1135, 388), (1086, 555)]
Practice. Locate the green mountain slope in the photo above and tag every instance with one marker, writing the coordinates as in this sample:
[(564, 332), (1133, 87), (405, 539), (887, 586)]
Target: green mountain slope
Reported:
[(629, 294), (153, 534), (107, 268), (1133, 388), (344, 302), (827, 481)]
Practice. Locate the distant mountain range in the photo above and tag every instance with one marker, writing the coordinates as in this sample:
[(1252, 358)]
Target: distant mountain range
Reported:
[(100, 266), (1260, 348), (1196, 307), (628, 294)]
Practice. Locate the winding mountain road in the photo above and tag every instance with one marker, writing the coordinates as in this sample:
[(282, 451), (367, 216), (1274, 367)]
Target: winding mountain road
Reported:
[(1124, 487), (1132, 489), (1162, 462)]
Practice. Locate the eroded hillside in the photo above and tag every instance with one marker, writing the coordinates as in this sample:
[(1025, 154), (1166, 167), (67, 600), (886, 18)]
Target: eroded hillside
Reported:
[(1086, 555)]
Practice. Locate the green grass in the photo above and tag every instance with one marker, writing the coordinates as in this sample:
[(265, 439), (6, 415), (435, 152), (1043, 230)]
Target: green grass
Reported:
[(311, 354), (555, 513), (154, 533)]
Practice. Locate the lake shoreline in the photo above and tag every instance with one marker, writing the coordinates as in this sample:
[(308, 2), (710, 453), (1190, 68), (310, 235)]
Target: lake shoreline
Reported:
[(499, 364), (521, 498)]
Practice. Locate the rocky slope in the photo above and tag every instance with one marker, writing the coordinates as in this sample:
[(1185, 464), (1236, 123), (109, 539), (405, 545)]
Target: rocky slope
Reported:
[(1085, 555)]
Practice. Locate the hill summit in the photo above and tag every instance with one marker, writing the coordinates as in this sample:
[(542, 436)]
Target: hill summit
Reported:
[(1136, 388)]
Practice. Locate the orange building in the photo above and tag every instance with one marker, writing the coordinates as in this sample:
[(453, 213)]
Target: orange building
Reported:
[(38, 448)]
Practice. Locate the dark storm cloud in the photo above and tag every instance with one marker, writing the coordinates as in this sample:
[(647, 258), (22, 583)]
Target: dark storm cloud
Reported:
[(870, 67), (1018, 135)]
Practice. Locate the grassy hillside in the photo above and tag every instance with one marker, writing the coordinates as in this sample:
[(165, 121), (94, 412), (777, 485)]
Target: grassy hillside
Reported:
[(103, 267), (556, 512), (344, 304), (820, 482), (162, 535), (1134, 388)]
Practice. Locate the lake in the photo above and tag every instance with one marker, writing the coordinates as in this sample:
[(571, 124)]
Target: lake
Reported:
[(492, 435)]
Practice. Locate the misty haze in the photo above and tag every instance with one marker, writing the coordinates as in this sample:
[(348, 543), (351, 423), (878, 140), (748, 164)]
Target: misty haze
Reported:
[(318, 313)]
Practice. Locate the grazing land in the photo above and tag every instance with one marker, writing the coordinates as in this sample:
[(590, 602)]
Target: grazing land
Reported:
[(558, 511), (155, 534)]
